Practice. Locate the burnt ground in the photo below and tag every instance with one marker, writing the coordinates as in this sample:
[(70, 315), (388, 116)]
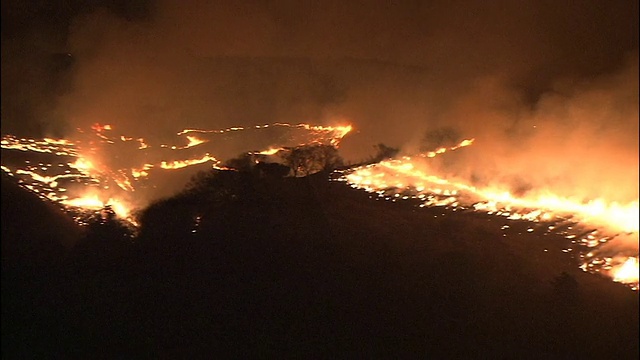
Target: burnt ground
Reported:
[(301, 268)]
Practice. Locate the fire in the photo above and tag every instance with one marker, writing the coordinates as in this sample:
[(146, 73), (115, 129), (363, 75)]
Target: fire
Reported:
[(79, 168), (193, 141), (93, 202), (141, 172), (89, 202), (82, 164), (331, 134), (179, 164), (48, 146), (143, 144), (627, 272), (100, 128), (86, 162), (270, 151), (412, 177)]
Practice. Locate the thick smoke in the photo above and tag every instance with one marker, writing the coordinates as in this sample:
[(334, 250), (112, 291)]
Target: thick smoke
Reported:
[(548, 89), (579, 140)]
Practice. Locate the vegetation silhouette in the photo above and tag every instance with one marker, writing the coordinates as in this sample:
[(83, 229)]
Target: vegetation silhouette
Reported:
[(241, 264), (309, 159)]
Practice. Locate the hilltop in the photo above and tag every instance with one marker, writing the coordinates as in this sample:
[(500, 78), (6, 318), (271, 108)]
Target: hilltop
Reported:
[(251, 265)]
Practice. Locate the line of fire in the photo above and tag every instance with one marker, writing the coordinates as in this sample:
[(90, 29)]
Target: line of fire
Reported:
[(100, 168)]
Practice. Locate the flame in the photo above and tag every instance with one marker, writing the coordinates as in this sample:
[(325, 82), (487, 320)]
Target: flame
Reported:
[(179, 164), (442, 150), (93, 202), (412, 177), (50, 146), (143, 144), (334, 133), (627, 272), (82, 164), (87, 162), (403, 178), (121, 209), (141, 172), (88, 202), (100, 128), (57, 141), (270, 151), (193, 141)]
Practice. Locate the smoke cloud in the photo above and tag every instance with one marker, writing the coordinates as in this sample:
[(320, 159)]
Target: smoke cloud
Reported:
[(580, 139), (548, 89)]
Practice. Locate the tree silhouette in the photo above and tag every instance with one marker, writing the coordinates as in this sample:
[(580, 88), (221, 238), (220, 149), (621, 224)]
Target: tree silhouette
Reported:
[(310, 159), (219, 186), (271, 170), (243, 162)]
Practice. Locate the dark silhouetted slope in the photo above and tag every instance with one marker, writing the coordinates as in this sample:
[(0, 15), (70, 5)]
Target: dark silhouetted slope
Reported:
[(241, 266), (33, 230)]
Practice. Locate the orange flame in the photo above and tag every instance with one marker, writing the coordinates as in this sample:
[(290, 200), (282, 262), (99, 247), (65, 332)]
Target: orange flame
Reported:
[(627, 272), (409, 174), (193, 141), (270, 151), (93, 202), (179, 164)]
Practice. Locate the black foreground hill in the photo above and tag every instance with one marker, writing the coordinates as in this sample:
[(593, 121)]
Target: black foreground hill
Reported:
[(242, 265)]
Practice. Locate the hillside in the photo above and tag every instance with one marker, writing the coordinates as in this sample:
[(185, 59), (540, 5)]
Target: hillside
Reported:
[(32, 229), (243, 266)]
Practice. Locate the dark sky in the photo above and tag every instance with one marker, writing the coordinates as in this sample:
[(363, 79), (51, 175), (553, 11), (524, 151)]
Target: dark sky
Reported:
[(399, 71)]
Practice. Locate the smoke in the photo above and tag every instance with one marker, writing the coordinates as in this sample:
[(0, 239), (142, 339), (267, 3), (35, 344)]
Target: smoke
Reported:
[(548, 89), (578, 140)]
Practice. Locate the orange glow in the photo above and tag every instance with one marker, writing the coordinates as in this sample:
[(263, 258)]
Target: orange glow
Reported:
[(88, 202), (87, 162), (179, 164), (412, 177), (333, 134), (57, 141), (93, 202), (402, 178), (443, 150), (82, 164), (193, 141), (627, 272), (99, 128), (143, 145), (270, 151), (141, 172)]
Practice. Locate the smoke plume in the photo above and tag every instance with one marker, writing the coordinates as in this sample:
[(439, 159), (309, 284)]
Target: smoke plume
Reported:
[(548, 89)]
